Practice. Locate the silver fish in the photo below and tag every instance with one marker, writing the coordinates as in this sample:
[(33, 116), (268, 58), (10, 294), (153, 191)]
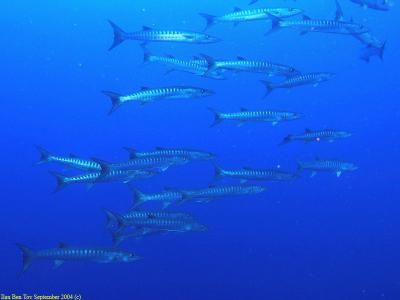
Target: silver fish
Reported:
[(319, 165), (245, 115), (248, 173), (147, 95), (148, 34), (239, 15), (66, 253), (70, 161), (171, 152), (317, 136)]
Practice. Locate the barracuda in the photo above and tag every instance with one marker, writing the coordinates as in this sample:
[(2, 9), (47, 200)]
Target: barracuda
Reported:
[(167, 197), (239, 15), (244, 65), (384, 5), (197, 66), (248, 173), (255, 116), (65, 253), (212, 192), (171, 152), (153, 220), (317, 136), (152, 35), (124, 176), (158, 163), (313, 25), (147, 95), (300, 80), (318, 165), (70, 161)]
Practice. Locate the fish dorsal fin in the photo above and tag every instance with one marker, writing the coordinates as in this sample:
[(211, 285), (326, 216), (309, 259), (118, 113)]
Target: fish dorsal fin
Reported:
[(241, 58), (308, 130), (307, 18), (212, 186), (169, 56), (72, 155), (62, 245), (144, 88), (317, 158), (247, 168), (243, 109), (147, 28), (351, 20), (236, 9), (197, 57)]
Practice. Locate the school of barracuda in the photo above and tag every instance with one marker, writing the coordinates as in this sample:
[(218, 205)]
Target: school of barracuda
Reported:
[(143, 165)]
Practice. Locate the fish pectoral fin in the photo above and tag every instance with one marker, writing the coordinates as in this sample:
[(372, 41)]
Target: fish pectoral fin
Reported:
[(338, 174), (58, 263), (89, 186), (274, 123), (313, 173), (303, 32)]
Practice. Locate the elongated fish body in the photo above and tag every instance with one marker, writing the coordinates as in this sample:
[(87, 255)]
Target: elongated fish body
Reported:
[(152, 35), (239, 15), (70, 161), (317, 136), (196, 66), (166, 197), (383, 5), (256, 116), (152, 162), (222, 191), (65, 253), (255, 66), (162, 226), (256, 174), (296, 81), (314, 25), (373, 46), (335, 166), (147, 95), (172, 153), (124, 176), (152, 220)]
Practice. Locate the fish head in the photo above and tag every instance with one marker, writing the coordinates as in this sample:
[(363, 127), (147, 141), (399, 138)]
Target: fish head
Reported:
[(326, 76), (196, 227), (357, 28), (349, 167), (288, 12), (203, 155), (209, 39), (126, 257), (344, 134), (383, 5), (295, 116)]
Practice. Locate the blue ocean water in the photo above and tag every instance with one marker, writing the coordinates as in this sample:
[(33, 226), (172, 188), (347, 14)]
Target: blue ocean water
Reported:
[(313, 238)]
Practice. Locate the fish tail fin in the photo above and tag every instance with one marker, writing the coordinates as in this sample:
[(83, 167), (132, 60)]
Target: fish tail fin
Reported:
[(210, 19), (218, 172), (275, 24), (286, 140), (60, 178), (131, 152), (113, 218), (300, 166), (138, 198), (217, 117), (117, 238), (44, 155), (269, 87), (119, 35), (146, 55), (382, 50), (210, 64), (27, 257), (115, 100)]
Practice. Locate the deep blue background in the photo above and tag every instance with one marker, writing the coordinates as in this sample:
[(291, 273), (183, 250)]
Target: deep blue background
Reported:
[(321, 238)]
